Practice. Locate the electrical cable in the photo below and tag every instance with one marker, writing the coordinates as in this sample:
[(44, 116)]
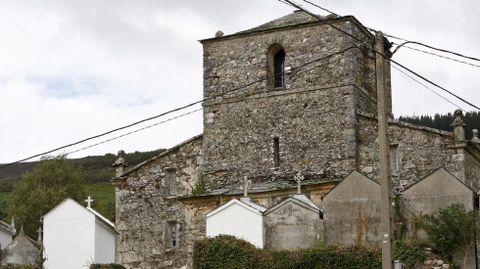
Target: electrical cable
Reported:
[(388, 58), (399, 38), (441, 56), (320, 7), (171, 111), (434, 48), (428, 88), (134, 131)]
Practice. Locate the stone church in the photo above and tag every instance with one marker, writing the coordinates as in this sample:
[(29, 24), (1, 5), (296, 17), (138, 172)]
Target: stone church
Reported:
[(292, 100)]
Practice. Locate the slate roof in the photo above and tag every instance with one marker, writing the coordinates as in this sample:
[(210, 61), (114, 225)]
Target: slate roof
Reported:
[(299, 199), (262, 187), (295, 18), (7, 228), (243, 202)]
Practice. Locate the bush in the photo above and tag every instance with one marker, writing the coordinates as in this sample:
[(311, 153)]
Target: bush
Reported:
[(224, 252), (106, 266), (11, 266), (409, 252), (450, 230)]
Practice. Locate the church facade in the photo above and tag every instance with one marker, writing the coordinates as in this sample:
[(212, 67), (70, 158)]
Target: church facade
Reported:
[(291, 98)]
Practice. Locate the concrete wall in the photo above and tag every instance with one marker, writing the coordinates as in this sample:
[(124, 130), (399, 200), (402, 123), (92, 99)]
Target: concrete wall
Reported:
[(104, 243), (352, 211), (239, 221), (292, 225), (69, 236), (438, 190), (5, 239)]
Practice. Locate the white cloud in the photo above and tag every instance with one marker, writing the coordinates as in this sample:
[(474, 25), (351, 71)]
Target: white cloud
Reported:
[(71, 69)]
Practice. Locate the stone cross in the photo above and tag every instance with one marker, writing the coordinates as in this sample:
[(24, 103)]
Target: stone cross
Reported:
[(246, 184), (458, 125), (120, 163), (89, 201), (299, 178), (475, 138), (39, 231)]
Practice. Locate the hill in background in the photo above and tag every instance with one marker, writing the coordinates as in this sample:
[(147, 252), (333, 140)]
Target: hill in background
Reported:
[(97, 171)]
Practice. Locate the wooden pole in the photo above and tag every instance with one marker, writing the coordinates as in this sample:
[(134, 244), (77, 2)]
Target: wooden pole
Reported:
[(383, 154)]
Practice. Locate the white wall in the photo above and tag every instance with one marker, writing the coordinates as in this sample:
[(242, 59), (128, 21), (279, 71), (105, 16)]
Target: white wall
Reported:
[(237, 221), (104, 244), (5, 239), (68, 238)]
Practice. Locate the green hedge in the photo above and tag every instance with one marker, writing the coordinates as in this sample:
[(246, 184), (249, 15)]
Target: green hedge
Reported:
[(228, 252), (11, 266), (106, 266)]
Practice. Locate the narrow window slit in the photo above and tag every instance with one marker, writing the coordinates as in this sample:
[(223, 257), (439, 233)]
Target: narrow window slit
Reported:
[(279, 68), (276, 151)]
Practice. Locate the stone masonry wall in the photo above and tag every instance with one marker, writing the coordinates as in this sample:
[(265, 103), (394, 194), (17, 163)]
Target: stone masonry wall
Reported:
[(145, 208), (313, 117), (472, 169), (421, 151)]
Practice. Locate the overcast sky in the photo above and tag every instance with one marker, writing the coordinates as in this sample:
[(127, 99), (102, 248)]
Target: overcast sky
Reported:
[(70, 69)]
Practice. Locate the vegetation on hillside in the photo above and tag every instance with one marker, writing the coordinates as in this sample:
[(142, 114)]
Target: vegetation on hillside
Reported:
[(51, 181), (442, 122), (96, 172), (96, 168)]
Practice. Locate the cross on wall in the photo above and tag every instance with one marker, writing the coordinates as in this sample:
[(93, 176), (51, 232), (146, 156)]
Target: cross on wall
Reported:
[(89, 202)]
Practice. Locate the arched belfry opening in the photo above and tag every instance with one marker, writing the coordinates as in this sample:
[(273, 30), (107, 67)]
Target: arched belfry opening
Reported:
[(276, 66)]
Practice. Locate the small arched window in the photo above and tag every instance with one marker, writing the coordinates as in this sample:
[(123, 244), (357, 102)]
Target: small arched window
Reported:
[(279, 68), (276, 66)]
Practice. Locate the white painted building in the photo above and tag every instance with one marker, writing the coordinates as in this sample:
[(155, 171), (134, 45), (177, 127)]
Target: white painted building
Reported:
[(240, 218), (7, 232), (75, 237)]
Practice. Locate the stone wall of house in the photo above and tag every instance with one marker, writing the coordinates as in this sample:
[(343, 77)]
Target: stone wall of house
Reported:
[(313, 117), (146, 210), (472, 168), (421, 150), (292, 226)]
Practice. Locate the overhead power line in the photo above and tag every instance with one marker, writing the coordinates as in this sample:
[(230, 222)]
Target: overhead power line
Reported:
[(320, 7), (441, 56), (399, 38), (172, 110), (425, 86), (434, 48), (385, 56), (135, 131), (435, 84)]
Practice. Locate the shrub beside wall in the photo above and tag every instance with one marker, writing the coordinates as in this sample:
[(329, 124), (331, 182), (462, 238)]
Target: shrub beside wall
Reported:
[(227, 252), (106, 266)]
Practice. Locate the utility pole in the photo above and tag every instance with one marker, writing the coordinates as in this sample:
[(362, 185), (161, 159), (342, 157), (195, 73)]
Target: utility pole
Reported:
[(383, 155)]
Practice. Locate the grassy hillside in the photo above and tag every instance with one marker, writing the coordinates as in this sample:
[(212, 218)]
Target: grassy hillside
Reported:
[(97, 171)]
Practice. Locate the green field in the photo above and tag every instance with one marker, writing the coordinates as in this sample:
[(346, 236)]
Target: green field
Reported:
[(103, 195)]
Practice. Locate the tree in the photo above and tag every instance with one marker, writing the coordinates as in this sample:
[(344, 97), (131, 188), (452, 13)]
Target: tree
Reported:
[(51, 181)]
